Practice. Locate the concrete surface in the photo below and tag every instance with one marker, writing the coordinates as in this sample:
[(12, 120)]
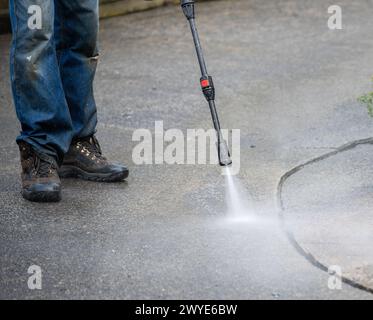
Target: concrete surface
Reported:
[(287, 81), (327, 210)]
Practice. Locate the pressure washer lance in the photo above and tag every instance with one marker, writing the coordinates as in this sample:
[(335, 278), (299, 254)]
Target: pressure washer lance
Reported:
[(207, 84)]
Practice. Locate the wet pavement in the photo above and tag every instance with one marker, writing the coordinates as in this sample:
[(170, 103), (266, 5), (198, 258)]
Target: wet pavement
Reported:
[(288, 83)]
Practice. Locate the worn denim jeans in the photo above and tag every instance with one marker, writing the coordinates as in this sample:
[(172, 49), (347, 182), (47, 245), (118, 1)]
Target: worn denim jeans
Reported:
[(52, 71)]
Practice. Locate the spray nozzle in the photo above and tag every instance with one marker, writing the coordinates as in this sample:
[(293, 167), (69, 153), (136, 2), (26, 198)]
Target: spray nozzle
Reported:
[(223, 152)]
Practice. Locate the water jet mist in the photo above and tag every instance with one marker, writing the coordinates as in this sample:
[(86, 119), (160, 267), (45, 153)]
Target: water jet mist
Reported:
[(239, 208)]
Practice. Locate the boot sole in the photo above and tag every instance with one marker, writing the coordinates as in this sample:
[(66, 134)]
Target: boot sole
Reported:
[(42, 196), (75, 172)]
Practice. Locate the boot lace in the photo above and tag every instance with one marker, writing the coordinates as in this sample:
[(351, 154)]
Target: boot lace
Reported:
[(43, 168), (91, 148)]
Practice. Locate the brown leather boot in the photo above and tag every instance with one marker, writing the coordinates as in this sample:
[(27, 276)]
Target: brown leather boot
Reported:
[(84, 160), (40, 180)]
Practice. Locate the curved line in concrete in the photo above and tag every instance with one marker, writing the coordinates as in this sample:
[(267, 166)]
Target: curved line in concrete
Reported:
[(310, 258)]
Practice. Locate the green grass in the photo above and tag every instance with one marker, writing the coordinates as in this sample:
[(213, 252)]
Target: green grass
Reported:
[(367, 99)]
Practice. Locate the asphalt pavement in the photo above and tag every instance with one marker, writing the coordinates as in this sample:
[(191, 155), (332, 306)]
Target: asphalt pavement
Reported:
[(289, 84)]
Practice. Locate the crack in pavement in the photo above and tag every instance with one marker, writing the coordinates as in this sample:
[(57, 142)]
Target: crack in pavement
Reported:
[(298, 247)]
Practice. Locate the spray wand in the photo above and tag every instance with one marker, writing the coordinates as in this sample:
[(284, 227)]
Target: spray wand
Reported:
[(207, 84)]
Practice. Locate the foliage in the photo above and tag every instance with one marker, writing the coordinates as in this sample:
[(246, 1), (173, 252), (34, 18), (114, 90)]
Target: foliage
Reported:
[(367, 99)]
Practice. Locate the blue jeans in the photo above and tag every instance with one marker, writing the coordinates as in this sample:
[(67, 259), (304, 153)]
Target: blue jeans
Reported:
[(52, 67)]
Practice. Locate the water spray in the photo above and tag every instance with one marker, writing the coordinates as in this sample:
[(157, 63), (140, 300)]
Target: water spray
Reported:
[(207, 84)]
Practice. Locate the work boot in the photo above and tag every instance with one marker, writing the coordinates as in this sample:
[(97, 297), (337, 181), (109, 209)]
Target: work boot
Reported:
[(84, 160), (40, 180)]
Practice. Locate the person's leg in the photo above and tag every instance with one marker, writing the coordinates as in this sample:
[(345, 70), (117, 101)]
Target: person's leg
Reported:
[(36, 84), (76, 31)]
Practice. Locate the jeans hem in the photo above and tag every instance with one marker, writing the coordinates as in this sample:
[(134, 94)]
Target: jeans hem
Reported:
[(42, 155)]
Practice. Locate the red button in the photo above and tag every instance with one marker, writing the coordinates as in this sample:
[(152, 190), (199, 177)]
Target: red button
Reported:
[(205, 83)]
